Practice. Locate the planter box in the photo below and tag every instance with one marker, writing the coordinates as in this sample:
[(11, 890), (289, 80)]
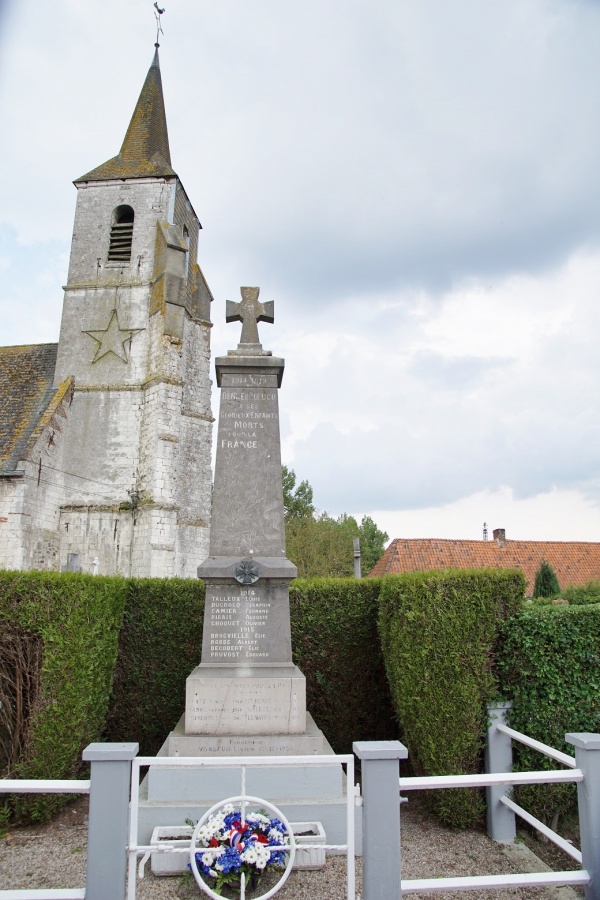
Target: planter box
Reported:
[(170, 863), (309, 833), (176, 863)]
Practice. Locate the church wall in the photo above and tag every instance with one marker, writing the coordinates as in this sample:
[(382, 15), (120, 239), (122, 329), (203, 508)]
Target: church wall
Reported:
[(150, 198), (29, 538), (103, 435), (184, 215), (102, 533)]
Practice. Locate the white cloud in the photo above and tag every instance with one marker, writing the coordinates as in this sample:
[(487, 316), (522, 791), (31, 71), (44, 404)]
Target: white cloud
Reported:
[(415, 185)]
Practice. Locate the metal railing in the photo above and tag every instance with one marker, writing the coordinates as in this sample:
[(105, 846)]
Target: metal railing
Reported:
[(242, 763), (583, 769), (112, 828)]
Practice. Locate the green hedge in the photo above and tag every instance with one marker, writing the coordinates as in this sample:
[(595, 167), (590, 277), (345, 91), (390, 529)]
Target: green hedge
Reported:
[(578, 595), (438, 632), (336, 645), (159, 645), (549, 665), (76, 619)]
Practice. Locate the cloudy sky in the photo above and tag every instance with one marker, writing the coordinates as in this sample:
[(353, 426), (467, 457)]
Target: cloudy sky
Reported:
[(415, 183)]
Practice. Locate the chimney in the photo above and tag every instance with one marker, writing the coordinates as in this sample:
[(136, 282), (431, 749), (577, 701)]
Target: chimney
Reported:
[(499, 536)]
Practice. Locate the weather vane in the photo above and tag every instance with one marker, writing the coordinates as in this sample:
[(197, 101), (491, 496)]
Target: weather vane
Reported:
[(157, 16)]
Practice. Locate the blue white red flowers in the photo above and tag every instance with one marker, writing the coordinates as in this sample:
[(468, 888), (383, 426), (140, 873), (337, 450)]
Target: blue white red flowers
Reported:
[(229, 844)]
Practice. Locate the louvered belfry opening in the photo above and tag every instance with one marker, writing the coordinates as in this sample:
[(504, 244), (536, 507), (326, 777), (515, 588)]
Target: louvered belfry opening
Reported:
[(121, 235)]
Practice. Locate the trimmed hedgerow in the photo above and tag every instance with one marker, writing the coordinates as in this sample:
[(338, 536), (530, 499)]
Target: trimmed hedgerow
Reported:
[(578, 595), (549, 665), (159, 645), (438, 631), (75, 620), (336, 645)]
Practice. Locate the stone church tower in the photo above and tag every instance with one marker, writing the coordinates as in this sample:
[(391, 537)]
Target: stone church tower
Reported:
[(118, 471)]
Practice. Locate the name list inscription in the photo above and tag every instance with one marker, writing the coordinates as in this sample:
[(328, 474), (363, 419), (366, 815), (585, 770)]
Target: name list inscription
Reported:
[(238, 624)]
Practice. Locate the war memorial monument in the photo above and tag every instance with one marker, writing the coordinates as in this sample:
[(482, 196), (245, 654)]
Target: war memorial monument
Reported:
[(246, 697)]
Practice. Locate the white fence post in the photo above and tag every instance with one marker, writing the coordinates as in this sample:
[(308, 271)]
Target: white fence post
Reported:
[(501, 825), (110, 782), (587, 758), (382, 863)]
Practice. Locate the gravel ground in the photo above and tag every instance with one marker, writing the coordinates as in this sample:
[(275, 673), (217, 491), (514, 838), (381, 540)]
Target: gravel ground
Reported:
[(54, 855)]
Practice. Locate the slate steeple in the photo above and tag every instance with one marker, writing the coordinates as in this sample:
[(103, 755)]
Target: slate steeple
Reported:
[(145, 149)]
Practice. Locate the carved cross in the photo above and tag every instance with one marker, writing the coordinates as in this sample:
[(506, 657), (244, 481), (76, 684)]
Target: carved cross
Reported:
[(249, 312)]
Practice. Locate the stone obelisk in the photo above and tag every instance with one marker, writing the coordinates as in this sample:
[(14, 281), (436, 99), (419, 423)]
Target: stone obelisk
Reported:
[(247, 698), (246, 683)]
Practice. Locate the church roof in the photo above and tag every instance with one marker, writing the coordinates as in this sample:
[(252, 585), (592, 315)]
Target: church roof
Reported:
[(145, 150), (575, 562), (26, 392)]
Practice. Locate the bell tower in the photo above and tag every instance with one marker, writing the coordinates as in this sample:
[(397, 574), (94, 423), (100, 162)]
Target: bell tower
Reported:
[(135, 336)]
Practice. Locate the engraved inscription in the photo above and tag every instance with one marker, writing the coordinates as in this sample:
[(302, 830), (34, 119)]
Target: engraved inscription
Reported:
[(247, 509), (246, 705), (237, 619)]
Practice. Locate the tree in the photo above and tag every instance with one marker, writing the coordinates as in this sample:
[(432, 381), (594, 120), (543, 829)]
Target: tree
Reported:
[(297, 504), (318, 544), (372, 543), (546, 582)]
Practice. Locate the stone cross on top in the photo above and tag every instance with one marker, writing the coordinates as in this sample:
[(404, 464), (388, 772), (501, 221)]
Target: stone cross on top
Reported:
[(249, 312)]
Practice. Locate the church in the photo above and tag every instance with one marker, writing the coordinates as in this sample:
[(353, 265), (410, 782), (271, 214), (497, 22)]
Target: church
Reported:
[(105, 437)]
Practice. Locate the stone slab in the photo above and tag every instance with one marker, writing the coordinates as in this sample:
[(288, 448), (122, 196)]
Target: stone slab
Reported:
[(311, 742), (208, 785), (247, 518), (234, 701), (246, 624), (268, 567)]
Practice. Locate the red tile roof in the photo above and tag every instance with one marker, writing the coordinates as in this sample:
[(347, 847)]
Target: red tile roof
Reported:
[(575, 562)]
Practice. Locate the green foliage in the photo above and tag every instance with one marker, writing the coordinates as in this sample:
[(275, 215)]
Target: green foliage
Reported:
[(549, 665), (76, 619), (159, 645), (438, 631), (577, 595), (335, 644), (319, 545), (322, 547), (546, 582), (372, 543), (297, 504)]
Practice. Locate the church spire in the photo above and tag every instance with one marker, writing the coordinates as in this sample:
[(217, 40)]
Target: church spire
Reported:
[(145, 149)]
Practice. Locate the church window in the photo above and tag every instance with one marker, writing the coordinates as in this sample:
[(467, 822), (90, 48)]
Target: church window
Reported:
[(121, 234)]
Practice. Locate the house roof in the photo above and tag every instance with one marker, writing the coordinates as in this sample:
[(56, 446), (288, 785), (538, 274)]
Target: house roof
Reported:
[(575, 562), (145, 150), (26, 394)]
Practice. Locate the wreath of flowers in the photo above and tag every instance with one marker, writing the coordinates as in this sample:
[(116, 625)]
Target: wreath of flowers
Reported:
[(230, 844)]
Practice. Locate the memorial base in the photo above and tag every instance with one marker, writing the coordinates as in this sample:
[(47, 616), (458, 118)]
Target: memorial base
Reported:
[(245, 700), (169, 796)]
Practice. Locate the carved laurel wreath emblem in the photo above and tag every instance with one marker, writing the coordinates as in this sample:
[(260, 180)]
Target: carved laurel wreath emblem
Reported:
[(246, 572)]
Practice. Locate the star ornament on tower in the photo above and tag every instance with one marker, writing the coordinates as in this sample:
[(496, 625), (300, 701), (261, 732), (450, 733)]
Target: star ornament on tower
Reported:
[(112, 339)]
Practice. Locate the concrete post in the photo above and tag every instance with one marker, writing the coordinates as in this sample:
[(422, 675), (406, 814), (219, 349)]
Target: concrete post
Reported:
[(587, 758), (108, 819), (501, 824), (382, 863), (357, 562)]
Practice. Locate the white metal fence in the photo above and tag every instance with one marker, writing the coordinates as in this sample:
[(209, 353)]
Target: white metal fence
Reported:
[(114, 800), (47, 786), (136, 850)]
